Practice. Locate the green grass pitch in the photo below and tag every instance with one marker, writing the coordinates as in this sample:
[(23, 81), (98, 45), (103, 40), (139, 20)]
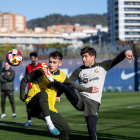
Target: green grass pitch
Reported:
[(119, 119)]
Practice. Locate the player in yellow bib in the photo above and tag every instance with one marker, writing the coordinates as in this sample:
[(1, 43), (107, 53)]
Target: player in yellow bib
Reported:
[(41, 98)]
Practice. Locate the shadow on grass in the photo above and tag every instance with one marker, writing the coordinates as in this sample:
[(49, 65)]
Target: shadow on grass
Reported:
[(102, 136), (18, 128), (75, 135)]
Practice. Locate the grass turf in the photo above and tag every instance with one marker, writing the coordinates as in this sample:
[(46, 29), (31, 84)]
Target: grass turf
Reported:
[(119, 119)]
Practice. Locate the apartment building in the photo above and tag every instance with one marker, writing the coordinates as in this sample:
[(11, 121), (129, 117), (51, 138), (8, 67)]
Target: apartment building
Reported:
[(12, 21), (123, 20)]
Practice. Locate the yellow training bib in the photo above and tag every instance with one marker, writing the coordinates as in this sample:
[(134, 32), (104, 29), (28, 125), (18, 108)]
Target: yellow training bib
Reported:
[(42, 84)]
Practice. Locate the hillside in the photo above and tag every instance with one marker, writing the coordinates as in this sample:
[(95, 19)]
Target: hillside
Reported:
[(57, 19)]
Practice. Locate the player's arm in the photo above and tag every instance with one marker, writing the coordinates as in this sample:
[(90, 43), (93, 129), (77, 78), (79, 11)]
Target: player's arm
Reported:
[(75, 75), (74, 85), (9, 77), (108, 64), (34, 75), (79, 87)]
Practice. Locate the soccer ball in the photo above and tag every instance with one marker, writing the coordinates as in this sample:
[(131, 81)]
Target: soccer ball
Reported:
[(14, 57)]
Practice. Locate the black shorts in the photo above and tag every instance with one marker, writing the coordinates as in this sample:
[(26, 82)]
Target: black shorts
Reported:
[(90, 107)]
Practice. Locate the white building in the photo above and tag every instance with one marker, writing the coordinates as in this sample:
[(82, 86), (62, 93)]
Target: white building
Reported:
[(123, 20), (29, 38)]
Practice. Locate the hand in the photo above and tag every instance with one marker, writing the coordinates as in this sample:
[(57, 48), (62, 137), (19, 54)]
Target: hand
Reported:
[(95, 89), (129, 54), (58, 99)]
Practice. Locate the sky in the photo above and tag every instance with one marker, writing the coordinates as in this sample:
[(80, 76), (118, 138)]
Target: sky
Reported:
[(33, 9)]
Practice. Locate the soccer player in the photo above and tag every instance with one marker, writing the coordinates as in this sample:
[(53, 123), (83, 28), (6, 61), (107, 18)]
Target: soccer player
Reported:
[(34, 64), (89, 74), (41, 98)]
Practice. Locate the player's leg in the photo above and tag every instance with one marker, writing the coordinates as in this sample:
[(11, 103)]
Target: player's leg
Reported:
[(39, 104), (29, 122), (3, 99), (91, 125), (11, 99), (69, 92), (60, 123)]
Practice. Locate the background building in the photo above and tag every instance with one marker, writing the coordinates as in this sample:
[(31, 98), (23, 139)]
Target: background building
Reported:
[(12, 21), (123, 20)]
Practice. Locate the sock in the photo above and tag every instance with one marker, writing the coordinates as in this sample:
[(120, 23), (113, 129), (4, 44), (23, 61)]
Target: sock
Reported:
[(49, 122), (14, 114), (3, 114), (29, 121)]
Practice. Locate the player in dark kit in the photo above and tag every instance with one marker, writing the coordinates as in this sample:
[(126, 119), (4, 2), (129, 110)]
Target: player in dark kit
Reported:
[(89, 74), (34, 64), (41, 98), (7, 76)]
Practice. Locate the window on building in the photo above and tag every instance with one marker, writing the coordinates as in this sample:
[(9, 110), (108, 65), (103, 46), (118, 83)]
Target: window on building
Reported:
[(1, 38), (131, 9), (132, 27), (13, 37), (116, 28), (134, 38), (132, 15), (35, 38), (132, 33), (116, 10), (116, 4), (27, 45), (116, 21), (131, 3), (116, 16), (44, 38), (132, 21), (116, 39)]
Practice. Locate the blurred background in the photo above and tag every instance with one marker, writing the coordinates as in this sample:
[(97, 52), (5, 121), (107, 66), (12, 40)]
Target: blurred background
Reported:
[(108, 26)]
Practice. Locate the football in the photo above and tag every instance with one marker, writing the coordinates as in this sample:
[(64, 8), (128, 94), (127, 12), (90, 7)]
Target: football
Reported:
[(14, 57)]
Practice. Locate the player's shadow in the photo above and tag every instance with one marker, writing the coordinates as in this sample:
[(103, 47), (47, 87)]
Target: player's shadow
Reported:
[(75, 134), (18, 128)]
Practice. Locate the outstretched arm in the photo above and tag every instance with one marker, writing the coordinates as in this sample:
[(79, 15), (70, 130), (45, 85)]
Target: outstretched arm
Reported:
[(108, 64), (34, 75), (93, 89), (74, 85)]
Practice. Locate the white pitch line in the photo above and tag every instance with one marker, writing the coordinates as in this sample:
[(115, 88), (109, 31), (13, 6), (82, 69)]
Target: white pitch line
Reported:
[(133, 106)]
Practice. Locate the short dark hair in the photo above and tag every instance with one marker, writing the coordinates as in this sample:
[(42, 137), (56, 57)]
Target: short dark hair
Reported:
[(89, 50), (56, 55), (33, 54)]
